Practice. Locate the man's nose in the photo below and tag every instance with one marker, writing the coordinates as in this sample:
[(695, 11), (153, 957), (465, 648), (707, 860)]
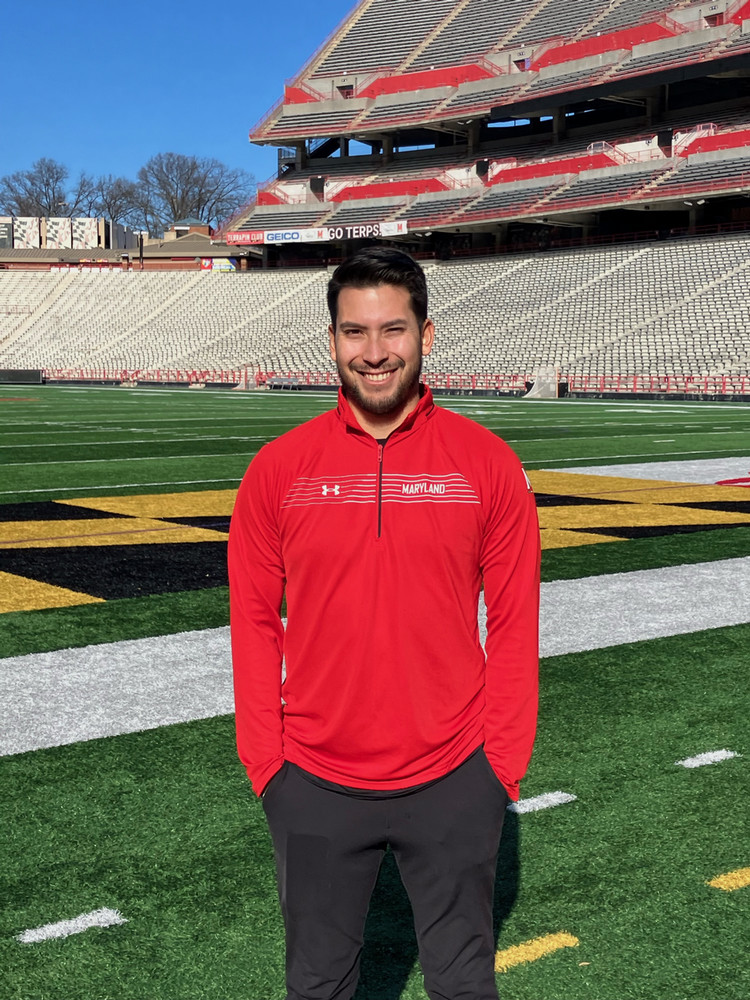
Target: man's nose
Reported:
[(375, 351)]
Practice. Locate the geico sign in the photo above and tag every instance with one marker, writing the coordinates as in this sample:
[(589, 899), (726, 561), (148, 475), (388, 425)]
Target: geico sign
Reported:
[(283, 237)]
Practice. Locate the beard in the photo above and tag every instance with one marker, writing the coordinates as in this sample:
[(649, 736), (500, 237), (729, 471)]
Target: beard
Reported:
[(356, 391)]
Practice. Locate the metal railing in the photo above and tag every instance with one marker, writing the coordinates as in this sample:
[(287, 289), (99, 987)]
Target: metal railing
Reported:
[(517, 382)]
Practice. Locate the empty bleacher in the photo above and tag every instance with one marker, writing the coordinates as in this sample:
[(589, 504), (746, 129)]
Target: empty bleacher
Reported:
[(518, 198), (286, 216), (383, 35), (703, 173), (356, 212), (660, 60), (611, 186), (431, 208), (565, 19), (629, 12), (404, 111), (664, 308), (478, 26)]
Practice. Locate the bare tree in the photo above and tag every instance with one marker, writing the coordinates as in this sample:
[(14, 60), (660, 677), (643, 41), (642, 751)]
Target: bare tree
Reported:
[(117, 199), (173, 186), (38, 191), (82, 197), (44, 190), (170, 187)]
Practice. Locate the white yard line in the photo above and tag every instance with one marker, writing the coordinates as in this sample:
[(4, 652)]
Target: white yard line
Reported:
[(547, 801), (711, 757), (76, 925)]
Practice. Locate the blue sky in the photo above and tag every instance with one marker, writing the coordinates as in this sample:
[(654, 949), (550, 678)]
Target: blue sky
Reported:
[(101, 86)]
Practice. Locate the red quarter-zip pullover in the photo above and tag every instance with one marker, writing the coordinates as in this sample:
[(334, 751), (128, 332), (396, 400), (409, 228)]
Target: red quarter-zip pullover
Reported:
[(382, 551)]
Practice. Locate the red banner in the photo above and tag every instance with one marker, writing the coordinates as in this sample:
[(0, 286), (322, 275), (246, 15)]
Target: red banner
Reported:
[(251, 236)]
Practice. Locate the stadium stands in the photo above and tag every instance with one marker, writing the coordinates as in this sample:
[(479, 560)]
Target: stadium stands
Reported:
[(475, 127), (624, 15), (383, 35), (674, 308), (476, 27), (566, 20), (485, 53), (707, 172), (378, 209), (613, 185), (286, 217), (442, 90)]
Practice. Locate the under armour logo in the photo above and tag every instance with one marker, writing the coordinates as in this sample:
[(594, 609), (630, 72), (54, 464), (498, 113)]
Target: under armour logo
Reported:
[(331, 489)]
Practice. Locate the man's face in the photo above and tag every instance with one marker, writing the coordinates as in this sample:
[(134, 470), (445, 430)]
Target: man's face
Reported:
[(378, 348)]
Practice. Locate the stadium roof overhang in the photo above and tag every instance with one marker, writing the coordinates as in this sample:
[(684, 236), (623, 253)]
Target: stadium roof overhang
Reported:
[(617, 91)]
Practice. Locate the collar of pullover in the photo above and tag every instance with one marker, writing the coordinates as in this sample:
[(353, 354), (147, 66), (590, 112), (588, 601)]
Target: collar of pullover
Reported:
[(421, 412)]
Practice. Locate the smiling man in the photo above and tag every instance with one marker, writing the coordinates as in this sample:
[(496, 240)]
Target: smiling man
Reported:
[(390, 727)]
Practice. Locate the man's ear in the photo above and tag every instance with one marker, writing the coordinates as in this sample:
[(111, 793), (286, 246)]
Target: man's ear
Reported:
[(332, 342), (428, 337)]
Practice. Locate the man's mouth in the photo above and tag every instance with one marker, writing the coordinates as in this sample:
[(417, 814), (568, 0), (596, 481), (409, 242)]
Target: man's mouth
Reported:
[(377, 376)]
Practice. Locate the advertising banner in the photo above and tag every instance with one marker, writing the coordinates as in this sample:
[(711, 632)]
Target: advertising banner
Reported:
[(218, 264), (6, 232), (322, 234), (246, 238)]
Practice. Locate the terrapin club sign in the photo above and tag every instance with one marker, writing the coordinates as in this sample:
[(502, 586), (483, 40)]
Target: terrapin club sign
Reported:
[(322, 234)]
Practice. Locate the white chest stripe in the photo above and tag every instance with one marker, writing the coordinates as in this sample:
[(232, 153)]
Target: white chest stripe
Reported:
[(396, 488)]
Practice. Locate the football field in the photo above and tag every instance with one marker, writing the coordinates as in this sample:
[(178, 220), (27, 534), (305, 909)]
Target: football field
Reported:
[(136, 863)]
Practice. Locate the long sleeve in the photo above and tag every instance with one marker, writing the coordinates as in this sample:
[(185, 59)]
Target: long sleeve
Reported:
[(510, 561), (256, 588)]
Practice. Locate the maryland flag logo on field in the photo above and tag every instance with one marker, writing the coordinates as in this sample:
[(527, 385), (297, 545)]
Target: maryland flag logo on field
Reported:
[(66, 552)]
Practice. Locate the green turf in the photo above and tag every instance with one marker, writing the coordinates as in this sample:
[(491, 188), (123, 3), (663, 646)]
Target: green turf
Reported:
[(645, 553), (162, 826), (24, 632), (66, 441)]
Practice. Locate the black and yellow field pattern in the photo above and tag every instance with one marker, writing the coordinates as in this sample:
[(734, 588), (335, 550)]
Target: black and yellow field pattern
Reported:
[(61, 553)]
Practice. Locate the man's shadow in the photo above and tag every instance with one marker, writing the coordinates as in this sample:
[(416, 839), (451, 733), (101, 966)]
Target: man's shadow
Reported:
[(390, 950)]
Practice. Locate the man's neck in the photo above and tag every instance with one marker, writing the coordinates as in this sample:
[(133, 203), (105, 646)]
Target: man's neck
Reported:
[(381, 425)]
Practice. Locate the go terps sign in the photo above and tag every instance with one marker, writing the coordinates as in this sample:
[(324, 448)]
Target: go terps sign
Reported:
[(323, 234)]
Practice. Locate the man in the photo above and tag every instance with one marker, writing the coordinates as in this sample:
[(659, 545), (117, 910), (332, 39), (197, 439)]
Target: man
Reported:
[(381, 520)]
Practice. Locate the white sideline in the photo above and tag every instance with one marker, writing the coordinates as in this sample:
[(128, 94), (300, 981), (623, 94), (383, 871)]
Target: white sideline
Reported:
[(705, 470), (77, 925), (52, 699)]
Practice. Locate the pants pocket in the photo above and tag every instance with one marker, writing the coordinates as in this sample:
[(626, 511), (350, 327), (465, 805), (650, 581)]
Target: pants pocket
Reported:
[(273, 786)]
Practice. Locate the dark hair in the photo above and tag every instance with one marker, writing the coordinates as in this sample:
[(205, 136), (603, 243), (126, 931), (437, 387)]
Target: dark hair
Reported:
[(380, 266)]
